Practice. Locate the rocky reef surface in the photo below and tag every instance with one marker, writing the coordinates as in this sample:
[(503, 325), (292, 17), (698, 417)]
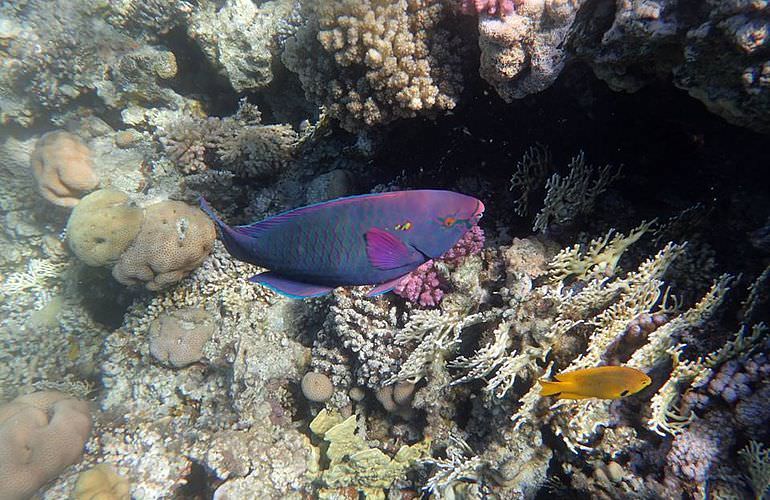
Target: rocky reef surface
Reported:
[(617, 146)]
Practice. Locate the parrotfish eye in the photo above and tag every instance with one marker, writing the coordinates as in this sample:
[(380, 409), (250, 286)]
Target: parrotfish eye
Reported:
[(449, 221)]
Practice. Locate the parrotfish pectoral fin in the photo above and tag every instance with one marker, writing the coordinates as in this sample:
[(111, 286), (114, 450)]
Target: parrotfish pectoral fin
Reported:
[(288, 287), (386, 251), (384, 287)]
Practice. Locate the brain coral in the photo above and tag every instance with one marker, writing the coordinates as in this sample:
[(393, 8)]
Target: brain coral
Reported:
[(177, 337), (63, 168), (174, 240), (370, 62), (40, 434), (102, 226)]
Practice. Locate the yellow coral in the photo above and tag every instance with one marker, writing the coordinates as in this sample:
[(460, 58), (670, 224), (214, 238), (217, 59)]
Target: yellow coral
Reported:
[(101, 483)]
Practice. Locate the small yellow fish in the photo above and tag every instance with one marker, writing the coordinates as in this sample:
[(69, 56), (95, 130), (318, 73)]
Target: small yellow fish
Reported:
[(604, 382)]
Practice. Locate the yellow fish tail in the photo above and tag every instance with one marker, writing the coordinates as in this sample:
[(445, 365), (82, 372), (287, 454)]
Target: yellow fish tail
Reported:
[(550, 388)]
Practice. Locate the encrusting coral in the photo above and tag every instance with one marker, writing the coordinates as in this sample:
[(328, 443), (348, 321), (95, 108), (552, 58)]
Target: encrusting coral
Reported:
[(63, 168), (370, 62), (40, 434), (177, 337)]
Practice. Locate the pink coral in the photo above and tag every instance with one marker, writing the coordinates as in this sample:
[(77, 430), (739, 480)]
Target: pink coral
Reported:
[(424, 285), (421, 286), (491, 7)]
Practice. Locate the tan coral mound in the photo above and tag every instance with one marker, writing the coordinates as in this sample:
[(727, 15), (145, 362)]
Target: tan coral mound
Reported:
[(102, 226), (63, 168), (40, 434), (177, 337), (101, 483), (175, 239)]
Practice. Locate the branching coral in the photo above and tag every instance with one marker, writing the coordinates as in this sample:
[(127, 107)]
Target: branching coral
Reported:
[(239, 143), (574, 194), (531, 171), (373, 61), (757, 460)]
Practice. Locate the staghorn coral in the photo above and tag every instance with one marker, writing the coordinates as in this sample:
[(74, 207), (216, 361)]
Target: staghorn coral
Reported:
[(63, 168), (40, 435), (371, 62), (174, 239)]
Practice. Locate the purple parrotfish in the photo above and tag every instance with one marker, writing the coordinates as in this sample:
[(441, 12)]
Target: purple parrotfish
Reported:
[(371, 239)]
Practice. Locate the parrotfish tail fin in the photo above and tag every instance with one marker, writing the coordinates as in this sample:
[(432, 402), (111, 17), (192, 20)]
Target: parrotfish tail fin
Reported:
[(550, 388), (210, 212), (288, 287), (235, 243)]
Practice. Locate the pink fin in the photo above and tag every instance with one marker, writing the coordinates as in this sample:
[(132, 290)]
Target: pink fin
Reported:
[(385, 251), (288, 287), (384, 287)]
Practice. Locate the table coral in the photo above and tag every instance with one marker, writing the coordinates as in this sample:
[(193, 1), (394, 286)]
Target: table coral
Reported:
[(63, 168), (373, 61)]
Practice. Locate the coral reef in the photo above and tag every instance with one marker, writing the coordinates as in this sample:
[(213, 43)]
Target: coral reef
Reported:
[(717, 53), (369, 63), (63, 168)]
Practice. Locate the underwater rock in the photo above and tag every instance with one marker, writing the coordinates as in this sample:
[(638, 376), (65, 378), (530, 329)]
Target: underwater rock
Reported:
[(102, 226), (101, 482), (177, 337), (63, 168), (238, 37), (40, 435), (174, 239)]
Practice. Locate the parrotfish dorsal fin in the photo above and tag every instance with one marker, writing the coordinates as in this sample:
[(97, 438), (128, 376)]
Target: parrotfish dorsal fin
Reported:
[(288, 287), (259, 228), (385, 251)]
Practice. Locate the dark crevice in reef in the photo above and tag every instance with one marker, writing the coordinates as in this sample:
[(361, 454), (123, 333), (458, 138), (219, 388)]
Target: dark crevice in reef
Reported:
[(197, 485), (673, 151), (105, 299), (196, 77)]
